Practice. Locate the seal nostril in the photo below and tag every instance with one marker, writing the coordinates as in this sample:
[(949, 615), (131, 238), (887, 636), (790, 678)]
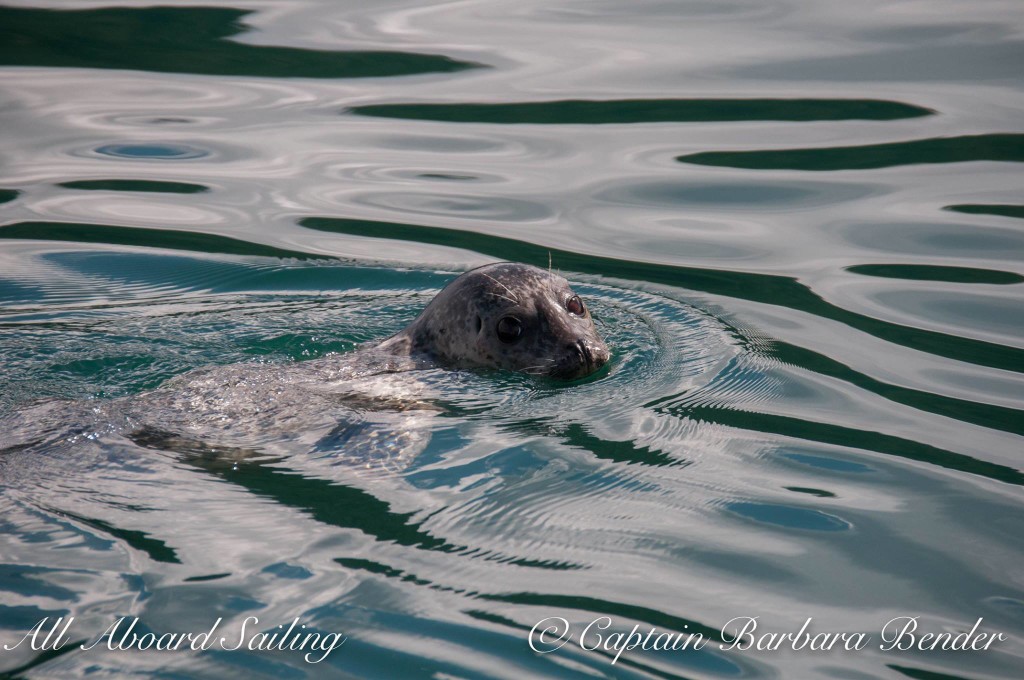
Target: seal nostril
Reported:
[(584, 352)]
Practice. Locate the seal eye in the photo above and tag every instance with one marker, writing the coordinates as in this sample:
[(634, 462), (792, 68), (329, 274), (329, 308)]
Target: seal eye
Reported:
[(575, 306), (509, 329)]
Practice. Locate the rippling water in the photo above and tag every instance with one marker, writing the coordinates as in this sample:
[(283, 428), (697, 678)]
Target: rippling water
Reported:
[(798, 225)]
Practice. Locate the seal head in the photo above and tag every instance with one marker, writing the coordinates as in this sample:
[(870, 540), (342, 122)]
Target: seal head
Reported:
[(510, 316)]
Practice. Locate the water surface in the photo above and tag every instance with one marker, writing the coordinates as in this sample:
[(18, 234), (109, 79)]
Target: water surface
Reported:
[(798, 226)]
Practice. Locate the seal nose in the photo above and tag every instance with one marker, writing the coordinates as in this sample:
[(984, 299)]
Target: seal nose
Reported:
[(598, 352), (584, 354), (593, 357)]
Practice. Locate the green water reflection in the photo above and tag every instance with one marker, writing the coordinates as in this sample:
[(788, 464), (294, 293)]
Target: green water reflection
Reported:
[(142, 185), (648, 111), (185, 40), (138, 236), (1001, 210), (927, 272), (1005, 147)]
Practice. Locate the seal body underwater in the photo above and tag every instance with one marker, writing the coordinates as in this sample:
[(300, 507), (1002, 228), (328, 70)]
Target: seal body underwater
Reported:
[(366, 408)]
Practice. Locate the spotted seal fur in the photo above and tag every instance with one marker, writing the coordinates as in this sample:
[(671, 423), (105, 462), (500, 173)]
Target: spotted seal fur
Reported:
[(509, 316)]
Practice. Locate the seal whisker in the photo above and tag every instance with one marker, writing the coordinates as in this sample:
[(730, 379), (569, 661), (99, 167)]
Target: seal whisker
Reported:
[(510, 291), (537, 368), (504, 297)]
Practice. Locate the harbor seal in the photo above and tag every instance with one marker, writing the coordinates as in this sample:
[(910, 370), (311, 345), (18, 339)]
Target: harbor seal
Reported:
[(508, 316), (371, 405)]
